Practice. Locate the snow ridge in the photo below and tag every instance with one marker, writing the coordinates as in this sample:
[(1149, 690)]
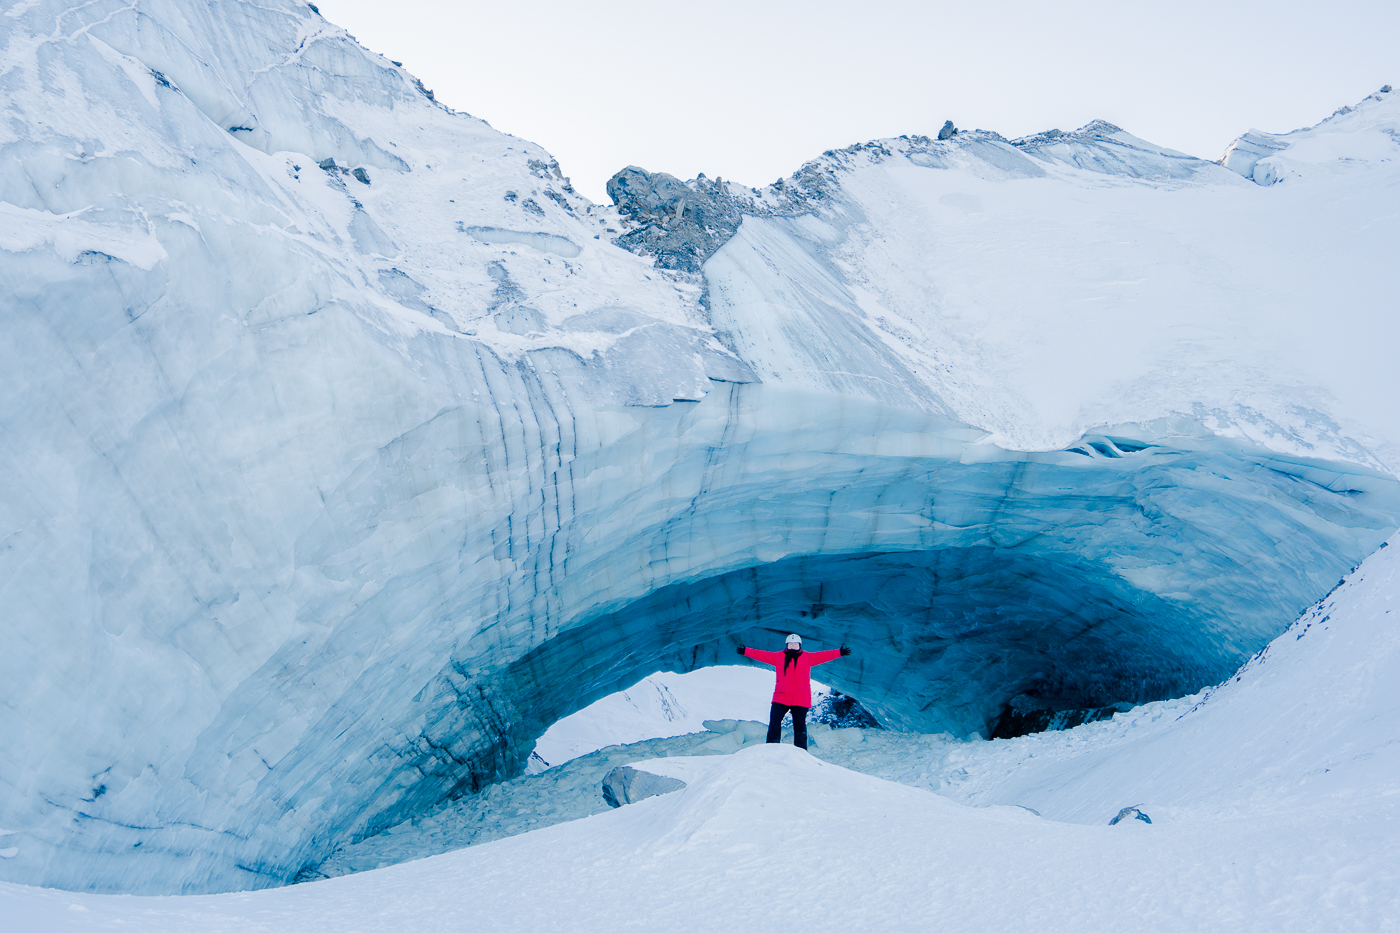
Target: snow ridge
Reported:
[(1366, 133)]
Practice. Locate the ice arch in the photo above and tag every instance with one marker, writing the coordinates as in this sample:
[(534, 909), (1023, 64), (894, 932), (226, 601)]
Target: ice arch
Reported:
[(1121, 570), (508, 560), (1124, 569)]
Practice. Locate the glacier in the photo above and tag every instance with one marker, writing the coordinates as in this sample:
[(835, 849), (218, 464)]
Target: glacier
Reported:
[(347, 448)]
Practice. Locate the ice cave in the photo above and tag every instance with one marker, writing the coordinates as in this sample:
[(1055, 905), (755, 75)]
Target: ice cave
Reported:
[(347, 447)]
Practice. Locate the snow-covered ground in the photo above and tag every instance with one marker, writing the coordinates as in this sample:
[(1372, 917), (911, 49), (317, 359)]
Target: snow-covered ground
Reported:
[(1272, 799), (661, 705)]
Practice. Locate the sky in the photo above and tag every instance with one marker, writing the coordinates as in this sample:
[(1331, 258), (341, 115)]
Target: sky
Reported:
[(749, 90)]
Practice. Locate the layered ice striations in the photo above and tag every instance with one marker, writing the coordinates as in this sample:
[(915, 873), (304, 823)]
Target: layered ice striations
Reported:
[(345, 451)]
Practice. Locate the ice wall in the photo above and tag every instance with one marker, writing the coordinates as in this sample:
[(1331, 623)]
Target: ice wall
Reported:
[(333, 476)]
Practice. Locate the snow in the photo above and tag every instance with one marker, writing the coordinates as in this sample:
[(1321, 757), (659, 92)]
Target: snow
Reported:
[(1062, 302), (771, 830), (320, 509), (73, 237), (1349, 140), (661, 705), (1272, 805), (703, 712)]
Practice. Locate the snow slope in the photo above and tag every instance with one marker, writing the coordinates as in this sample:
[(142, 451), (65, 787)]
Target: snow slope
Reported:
[(345, 451), (772, 832), (1086, 280)]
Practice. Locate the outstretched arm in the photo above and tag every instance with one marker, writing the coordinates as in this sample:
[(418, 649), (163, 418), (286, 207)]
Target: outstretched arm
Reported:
[(767, 657), (821, 657)]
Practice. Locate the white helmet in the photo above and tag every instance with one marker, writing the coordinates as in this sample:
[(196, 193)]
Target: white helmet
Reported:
[(794, 641)]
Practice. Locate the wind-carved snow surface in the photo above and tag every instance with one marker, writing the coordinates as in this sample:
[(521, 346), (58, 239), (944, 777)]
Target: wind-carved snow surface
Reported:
[(321, 508)]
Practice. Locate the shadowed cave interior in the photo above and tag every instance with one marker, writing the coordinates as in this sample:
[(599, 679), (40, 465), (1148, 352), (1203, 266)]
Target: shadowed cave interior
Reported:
[(942, 639)]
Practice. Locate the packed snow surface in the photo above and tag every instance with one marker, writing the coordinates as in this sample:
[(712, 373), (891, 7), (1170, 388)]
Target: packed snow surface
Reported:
[(659, 706), (1272, 802), (345, 450)]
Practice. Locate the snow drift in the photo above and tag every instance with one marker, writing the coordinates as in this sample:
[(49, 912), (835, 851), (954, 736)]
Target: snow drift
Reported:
[(346, 451)]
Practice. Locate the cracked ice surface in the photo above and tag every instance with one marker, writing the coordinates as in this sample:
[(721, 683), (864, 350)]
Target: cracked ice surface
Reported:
[(320, 509)]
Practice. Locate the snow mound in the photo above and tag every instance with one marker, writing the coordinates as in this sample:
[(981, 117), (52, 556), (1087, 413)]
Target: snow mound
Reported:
[(1102, 147)]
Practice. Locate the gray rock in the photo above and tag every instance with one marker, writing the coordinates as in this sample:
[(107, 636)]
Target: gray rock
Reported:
[(679, 224), (948, 131), (628, 785), (843, 712)]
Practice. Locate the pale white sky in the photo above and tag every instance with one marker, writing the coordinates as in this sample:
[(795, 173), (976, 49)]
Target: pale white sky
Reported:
[(751, 89)]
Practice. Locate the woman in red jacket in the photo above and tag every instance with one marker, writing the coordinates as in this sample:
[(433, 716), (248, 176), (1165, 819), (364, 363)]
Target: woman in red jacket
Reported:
[(794, 689)]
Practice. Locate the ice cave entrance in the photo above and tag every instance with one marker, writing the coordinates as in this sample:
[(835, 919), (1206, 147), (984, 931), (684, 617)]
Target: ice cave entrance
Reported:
[(984, 591), (986, 597), (943, 640)]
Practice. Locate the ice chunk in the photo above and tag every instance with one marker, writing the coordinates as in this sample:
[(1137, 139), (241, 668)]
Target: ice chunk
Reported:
[(628, 785)]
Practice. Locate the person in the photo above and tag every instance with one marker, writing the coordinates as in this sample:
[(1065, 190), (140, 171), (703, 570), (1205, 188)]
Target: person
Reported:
[(793, 692)]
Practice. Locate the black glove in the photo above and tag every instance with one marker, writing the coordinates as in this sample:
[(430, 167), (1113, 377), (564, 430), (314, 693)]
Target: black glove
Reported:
[(845, 651), (740, 649)]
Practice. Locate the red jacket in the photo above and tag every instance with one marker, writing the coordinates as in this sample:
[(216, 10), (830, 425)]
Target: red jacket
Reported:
[(794, 684)]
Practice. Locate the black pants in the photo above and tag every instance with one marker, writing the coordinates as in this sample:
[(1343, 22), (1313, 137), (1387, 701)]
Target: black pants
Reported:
[(799, 724)]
